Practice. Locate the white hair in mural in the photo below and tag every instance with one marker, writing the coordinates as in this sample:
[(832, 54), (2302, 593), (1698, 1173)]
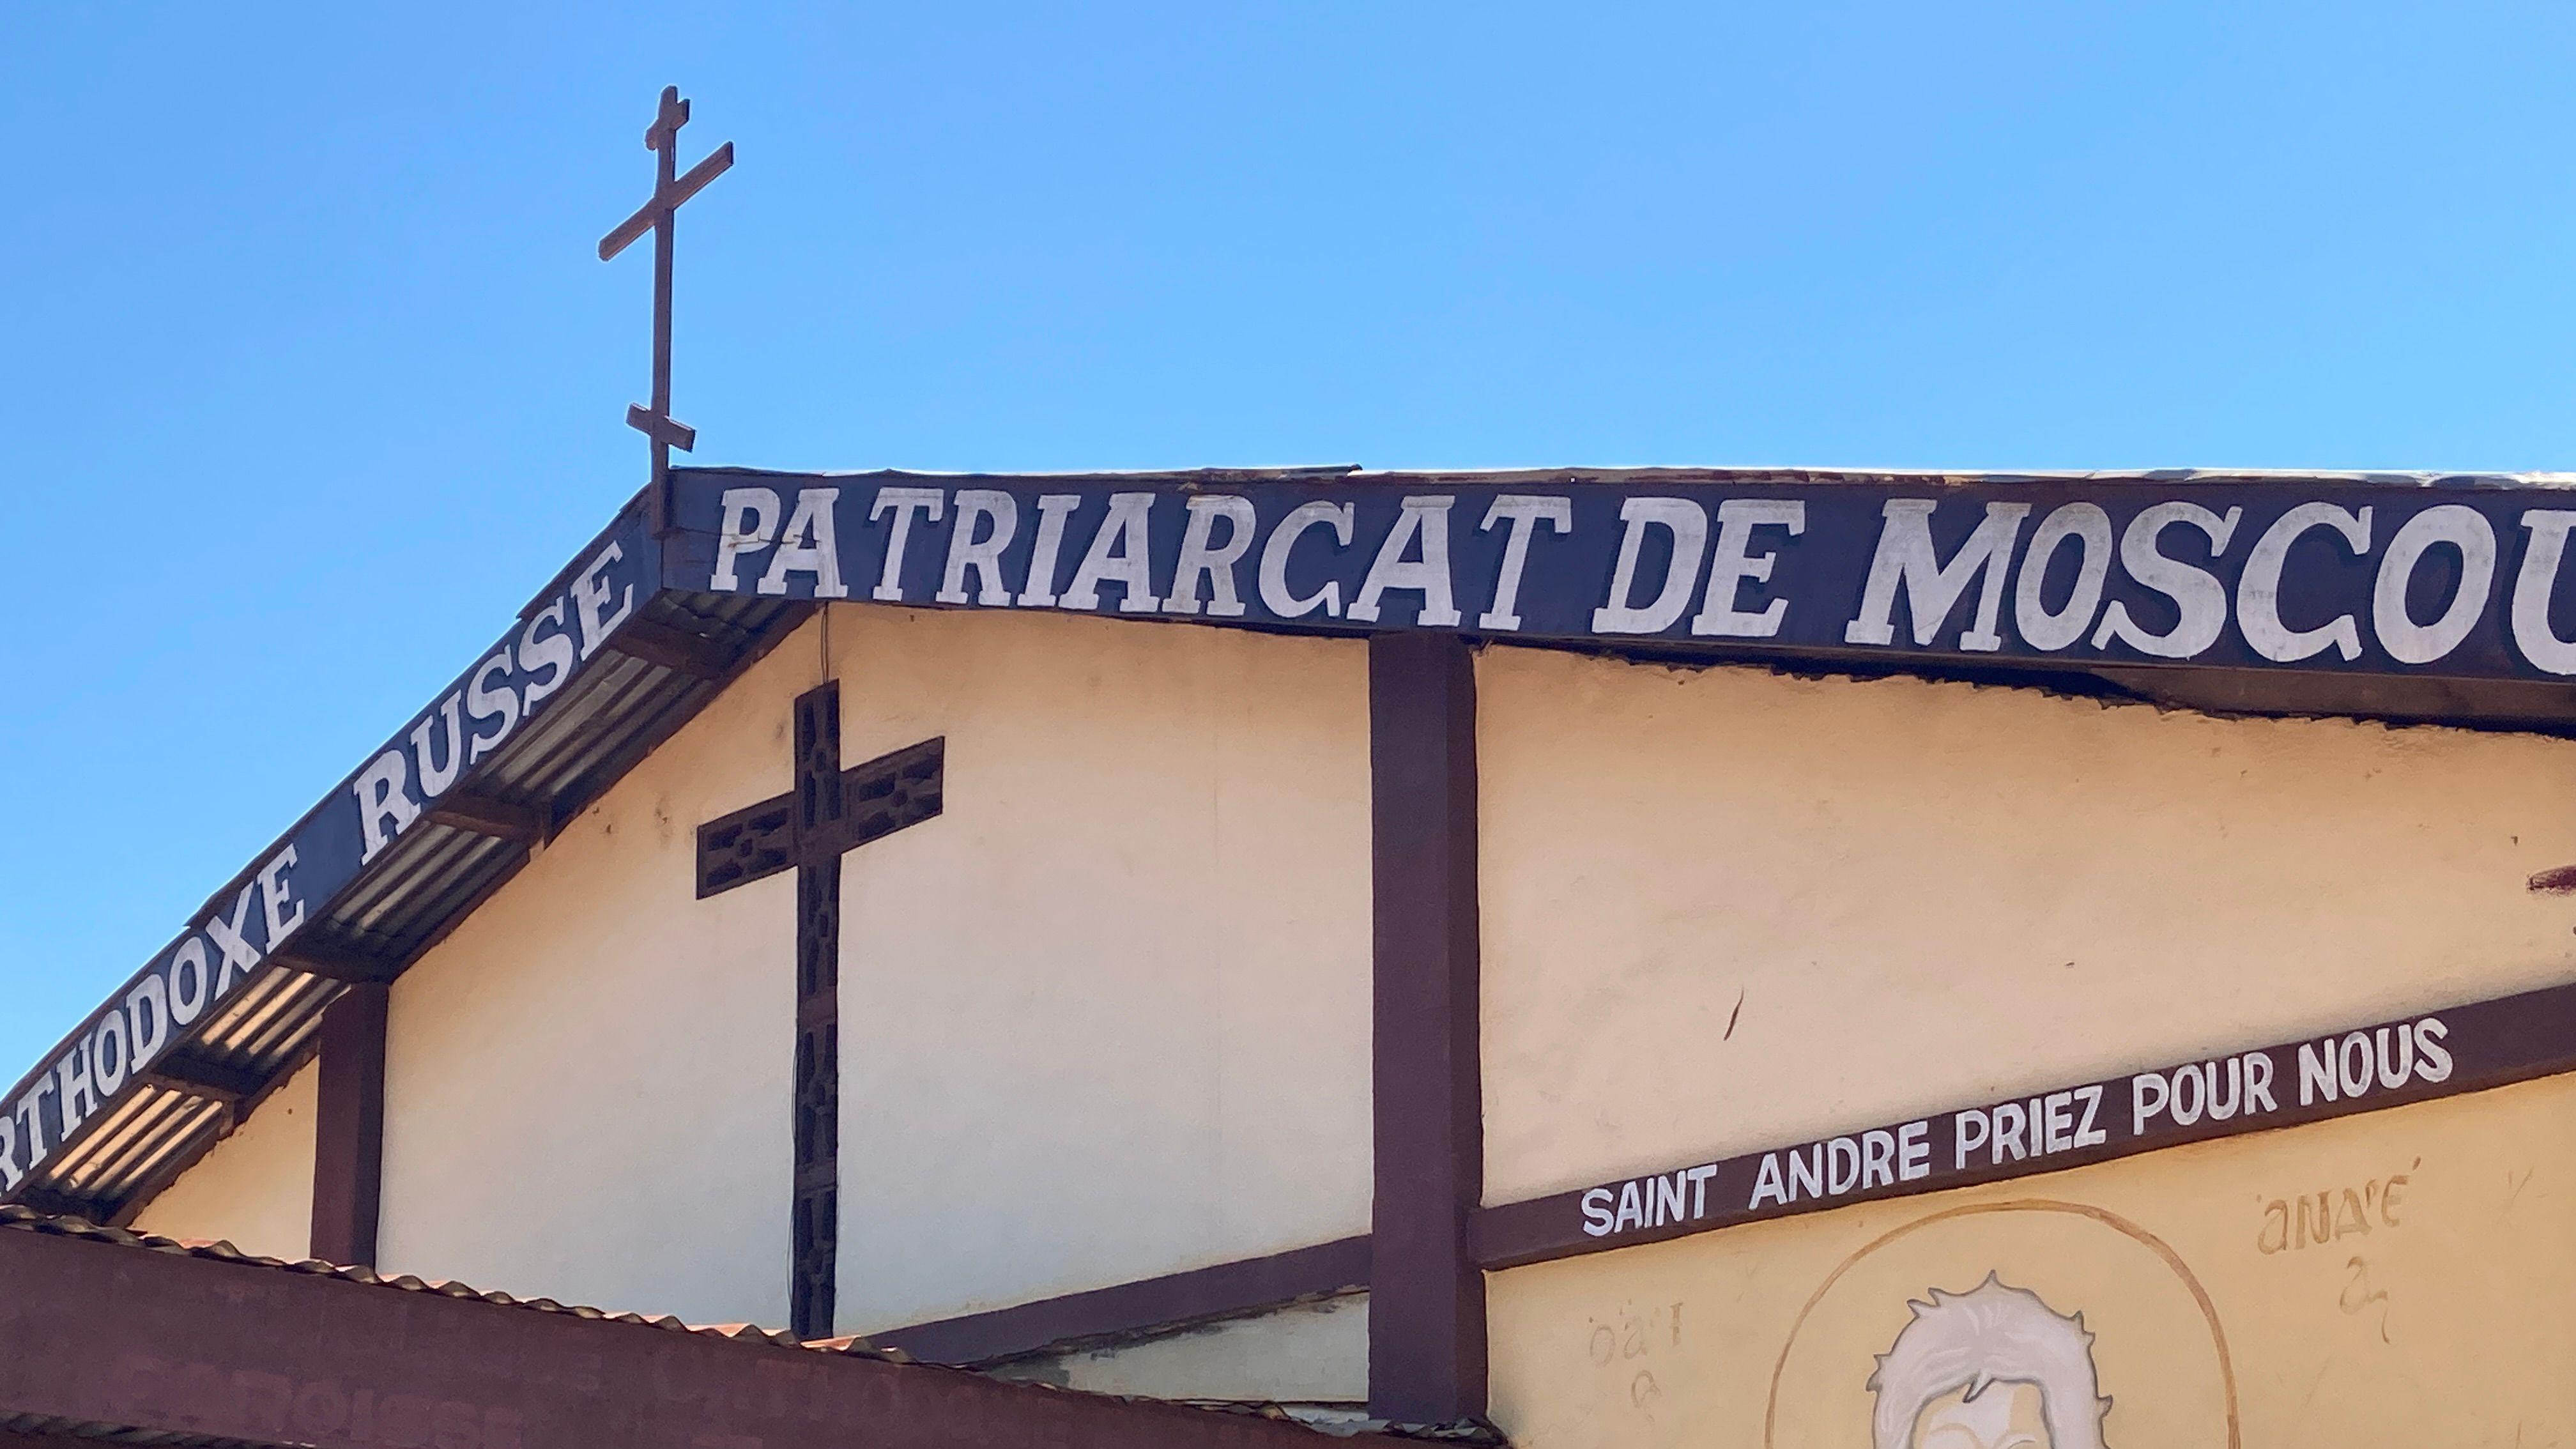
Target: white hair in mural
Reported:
[(1991, 1334)]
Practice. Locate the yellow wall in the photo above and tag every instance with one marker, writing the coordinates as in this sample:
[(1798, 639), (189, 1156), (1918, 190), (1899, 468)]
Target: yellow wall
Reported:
[(1108, 1017), (1311, 1353), (255, 1190), (2417, 1303), (1728, 909), (586, 1085)]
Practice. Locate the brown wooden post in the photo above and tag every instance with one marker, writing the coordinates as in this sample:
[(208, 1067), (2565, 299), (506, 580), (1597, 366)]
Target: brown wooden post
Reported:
[(1426, 1295), (349, 1128)]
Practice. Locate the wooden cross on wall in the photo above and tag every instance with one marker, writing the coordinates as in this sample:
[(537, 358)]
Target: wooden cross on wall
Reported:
[(830, 812)]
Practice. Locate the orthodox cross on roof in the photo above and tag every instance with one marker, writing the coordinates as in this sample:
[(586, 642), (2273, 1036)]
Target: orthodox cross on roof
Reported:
[(831, 812), (658, 216)]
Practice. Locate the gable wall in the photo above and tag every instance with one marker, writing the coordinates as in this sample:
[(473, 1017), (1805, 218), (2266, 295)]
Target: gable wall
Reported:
[(1108, 1016), (1729, 909), (1104, 1019), (255, 1189), (586, 1084)]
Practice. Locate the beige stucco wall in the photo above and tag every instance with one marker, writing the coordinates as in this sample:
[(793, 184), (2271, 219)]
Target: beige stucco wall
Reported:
[(2414, 1302), (1730, 909), (1310, 1353), (1108, 1017), (255, 1190), (586, 1085), (1104, 1019)]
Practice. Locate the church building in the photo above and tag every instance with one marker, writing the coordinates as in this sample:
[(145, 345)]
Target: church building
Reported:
[(1644, 959)]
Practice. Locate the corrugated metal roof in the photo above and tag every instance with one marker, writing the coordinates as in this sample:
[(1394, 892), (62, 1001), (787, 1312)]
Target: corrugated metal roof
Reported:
[(20, 1219), (401, 903)]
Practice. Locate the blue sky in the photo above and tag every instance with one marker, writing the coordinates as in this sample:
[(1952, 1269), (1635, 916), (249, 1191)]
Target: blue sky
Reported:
[(311, 376)]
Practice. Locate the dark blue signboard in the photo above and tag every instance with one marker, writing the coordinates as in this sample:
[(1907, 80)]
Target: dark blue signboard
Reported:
[(2457, 580)]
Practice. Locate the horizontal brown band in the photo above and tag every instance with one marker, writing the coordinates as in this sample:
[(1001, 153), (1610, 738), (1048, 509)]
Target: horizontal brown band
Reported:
[(1226, 1290), (2338, 1074)]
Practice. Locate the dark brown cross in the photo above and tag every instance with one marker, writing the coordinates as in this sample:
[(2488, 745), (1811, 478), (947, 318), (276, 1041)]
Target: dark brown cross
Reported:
[(660, 216), (830, 812)]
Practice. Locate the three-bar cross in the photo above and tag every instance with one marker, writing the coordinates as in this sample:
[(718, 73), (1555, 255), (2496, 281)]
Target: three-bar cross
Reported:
[(659, 217), (830, 812)]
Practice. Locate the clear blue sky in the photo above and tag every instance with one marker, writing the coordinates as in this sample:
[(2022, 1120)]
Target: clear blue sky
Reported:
[(310, 376)]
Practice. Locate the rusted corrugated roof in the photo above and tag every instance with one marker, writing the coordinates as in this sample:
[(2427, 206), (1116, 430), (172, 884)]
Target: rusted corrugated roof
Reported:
[(28, 1220)]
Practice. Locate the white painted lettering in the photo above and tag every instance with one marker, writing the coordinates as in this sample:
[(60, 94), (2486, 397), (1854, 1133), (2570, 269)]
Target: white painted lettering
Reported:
[(1424, 518), (1596, 1212), (1877, 1158), (1522, 513), (2432, 1059), (2086, 1133), (551, 652), (1907, 559), (1732, 563), (384, 798), (2258, 591), (2148, 1095), (1204, 560), (2464, 529), (2536, 585), (1687, 524), (1121, 553), (2089, 528), (903, 503), (1275, 593), (2258, 1083), (2355, 1064), (1968, 1132), (437, 774), (1840, 1153), (240, 957), (1914, 1151), (811, 542), (749, 522), (986, 519), (276, 896), (590, 593), (483, 702), (77, 1095), (2200, 600), (190, 982), (2316, 1071), (1766, 1183), (1053, 510), (147, 1006)]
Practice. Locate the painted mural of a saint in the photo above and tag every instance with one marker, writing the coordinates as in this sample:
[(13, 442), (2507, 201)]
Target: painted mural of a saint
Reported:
[(1992, 1368)]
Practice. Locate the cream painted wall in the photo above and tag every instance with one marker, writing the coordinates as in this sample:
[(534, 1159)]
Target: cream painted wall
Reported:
[(587, 1084), (1311, 1353), (1108, 1017), (1729, 909), (255, 1190), (2418, 1300)]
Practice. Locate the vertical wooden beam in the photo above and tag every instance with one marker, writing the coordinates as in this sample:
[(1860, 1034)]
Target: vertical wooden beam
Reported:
[(1426, 1295), (349, 1127)]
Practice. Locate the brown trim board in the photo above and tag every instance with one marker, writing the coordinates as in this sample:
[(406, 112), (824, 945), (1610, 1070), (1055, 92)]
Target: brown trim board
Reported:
[(2434, 1054), (1226, 1290), (1426, 1296)]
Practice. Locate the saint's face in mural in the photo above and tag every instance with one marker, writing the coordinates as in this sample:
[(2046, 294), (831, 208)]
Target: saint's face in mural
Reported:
[(1992, 1368)]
